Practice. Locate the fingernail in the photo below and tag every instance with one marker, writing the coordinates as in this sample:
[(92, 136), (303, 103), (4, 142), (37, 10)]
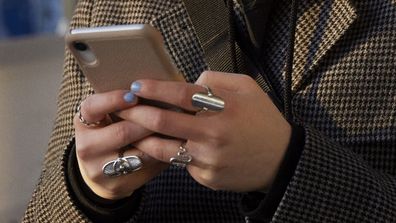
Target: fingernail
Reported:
[(136, 86), (129, 97)]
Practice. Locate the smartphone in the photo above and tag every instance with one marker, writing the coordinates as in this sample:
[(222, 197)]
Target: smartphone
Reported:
[(112, 57)]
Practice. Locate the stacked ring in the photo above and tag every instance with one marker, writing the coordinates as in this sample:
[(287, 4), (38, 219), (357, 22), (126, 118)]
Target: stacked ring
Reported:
[(182, 159)]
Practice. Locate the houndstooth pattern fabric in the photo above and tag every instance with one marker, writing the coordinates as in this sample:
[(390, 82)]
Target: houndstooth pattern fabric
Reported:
[(344, 94), (345, 97)]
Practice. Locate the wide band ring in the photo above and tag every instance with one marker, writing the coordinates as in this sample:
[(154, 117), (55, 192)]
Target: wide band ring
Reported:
[(122, 166), (207, 101), (182, 159), (85, 122)]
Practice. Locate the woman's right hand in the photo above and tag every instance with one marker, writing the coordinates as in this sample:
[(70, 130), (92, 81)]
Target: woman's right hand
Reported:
[(95, 146)]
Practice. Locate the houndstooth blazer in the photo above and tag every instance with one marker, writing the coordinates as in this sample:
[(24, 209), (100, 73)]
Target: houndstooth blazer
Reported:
[(344, 95)]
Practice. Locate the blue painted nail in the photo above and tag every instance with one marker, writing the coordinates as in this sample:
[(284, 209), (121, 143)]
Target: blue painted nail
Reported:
[(136, 86), (129, 97)]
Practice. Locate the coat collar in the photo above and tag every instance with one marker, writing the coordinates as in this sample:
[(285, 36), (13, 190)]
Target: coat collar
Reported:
[(320, 25)]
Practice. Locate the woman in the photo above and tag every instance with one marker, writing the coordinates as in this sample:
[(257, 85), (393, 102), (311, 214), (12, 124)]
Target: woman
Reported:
[(248, 160)]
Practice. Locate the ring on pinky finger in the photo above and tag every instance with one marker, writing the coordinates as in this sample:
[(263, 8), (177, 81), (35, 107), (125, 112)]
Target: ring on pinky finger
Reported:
[(85, 122)]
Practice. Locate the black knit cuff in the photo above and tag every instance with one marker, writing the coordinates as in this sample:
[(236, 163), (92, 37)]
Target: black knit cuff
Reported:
[(260, 206), (94, 207)]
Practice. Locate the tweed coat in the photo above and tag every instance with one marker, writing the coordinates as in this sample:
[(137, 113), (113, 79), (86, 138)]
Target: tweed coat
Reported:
[(344, 95)]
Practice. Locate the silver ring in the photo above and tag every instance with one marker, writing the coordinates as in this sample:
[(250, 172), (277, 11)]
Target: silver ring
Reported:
[(182, 159), (85, 122), (122, 166), (207, 101)]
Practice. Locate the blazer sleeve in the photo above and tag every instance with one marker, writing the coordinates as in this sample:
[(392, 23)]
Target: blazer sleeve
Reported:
[(53, 199), (95, 207), (331, 183)]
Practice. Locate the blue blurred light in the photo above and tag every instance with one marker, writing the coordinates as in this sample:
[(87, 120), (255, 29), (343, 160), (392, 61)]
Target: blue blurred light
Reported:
[(27, 17)]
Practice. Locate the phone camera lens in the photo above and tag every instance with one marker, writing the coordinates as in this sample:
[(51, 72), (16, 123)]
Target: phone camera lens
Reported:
[(80, 46)]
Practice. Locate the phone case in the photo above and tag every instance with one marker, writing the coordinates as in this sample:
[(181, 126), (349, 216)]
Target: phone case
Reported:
[(115, 56)]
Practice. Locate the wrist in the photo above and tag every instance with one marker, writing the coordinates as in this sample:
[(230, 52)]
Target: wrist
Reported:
[(96, 208), (259, 205), (102, 192)]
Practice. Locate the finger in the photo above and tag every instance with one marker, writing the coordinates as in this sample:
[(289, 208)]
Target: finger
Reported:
[(171, 92), (96, 107), (166, 122), (93, 167), (160, 148), (226, 81), (148, 162), (96, 142), (121, 186), (165, 149)]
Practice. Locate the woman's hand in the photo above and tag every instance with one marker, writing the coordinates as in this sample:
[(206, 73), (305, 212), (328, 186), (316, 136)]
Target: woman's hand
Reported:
[(96, 146), (238, 149)]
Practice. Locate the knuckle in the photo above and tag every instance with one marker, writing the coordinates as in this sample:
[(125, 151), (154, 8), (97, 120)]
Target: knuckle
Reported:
[(216, 137), (87, 105), (83, 151), (206, 74), (115, 190), (246, 78), (158, 152), (184, 97), (155, 147), (108, 189), (159, 120), (209, 179), (216, 163), (213, 162), (114, 99), (122, 133), (204, 77), (94, 176)]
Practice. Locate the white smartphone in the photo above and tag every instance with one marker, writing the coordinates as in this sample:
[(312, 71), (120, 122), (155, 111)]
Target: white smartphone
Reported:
[(112, 57)]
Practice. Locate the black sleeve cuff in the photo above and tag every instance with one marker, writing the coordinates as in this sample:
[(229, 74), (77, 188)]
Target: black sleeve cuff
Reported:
[(261, 207), (94, 207)]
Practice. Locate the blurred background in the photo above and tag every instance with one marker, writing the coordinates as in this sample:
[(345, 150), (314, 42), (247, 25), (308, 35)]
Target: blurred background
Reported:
[(31, 61)]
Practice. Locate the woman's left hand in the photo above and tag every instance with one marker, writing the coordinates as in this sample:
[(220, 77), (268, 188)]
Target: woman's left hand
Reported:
[(237, 149)]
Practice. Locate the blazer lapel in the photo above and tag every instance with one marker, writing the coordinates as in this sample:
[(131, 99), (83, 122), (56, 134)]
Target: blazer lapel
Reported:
[(181, 41), (320, 25), (196, 35)]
